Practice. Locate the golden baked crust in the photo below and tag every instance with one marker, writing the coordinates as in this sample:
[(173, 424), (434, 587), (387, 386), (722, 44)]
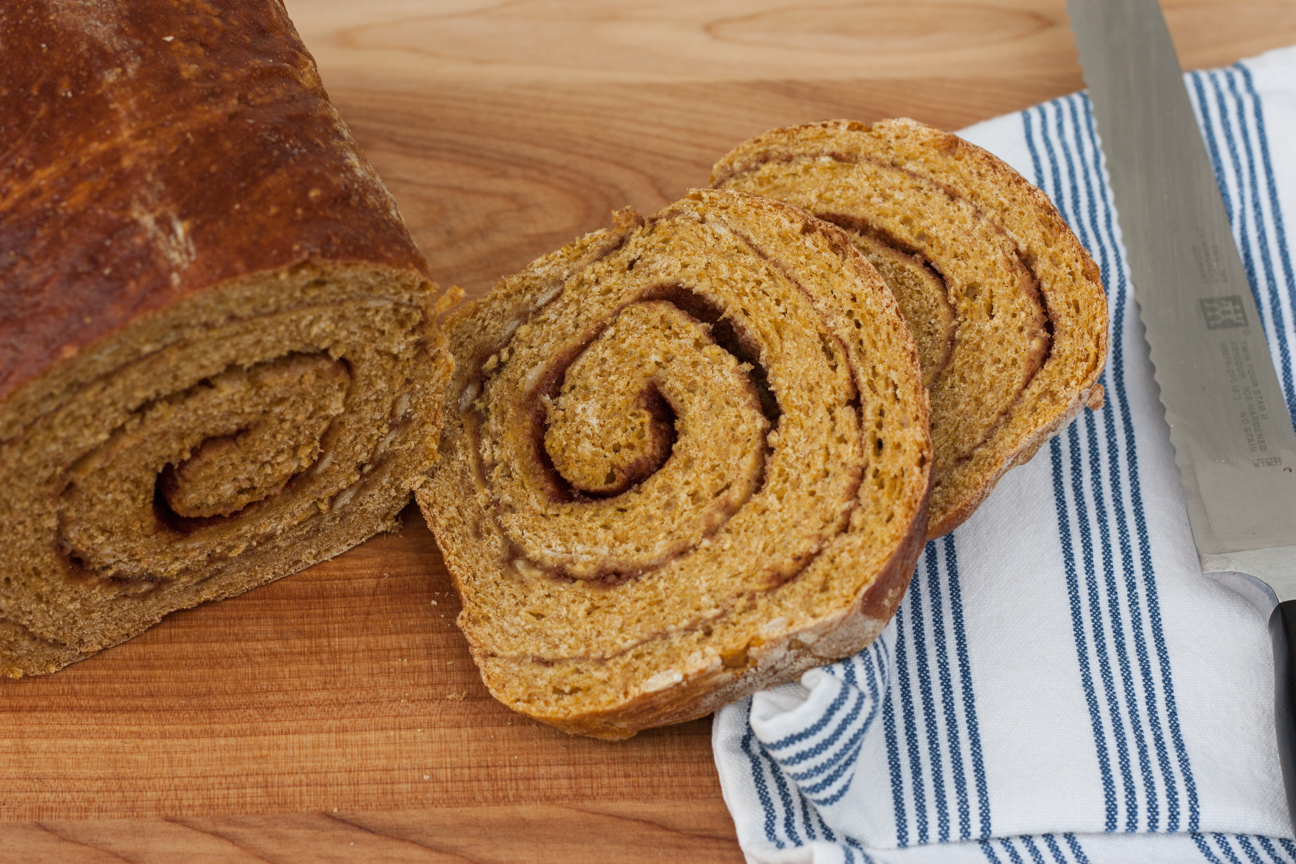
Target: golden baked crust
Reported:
[(684, 459), (1016, 346), (219, 356)]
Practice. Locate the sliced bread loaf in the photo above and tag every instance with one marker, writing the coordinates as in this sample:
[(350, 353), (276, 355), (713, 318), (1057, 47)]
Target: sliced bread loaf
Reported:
[(684, 459), (1007, 307), (219, 353)]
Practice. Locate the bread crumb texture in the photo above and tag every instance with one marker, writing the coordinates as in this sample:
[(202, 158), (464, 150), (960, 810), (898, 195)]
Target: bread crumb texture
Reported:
[(684, 459), (1006, 305), (220, 360)]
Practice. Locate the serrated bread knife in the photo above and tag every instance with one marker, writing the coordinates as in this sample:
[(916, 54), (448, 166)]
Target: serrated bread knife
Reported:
[(1229, 425)]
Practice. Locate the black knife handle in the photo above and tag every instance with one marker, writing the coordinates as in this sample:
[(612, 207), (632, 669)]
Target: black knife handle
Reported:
[(1282, 629)]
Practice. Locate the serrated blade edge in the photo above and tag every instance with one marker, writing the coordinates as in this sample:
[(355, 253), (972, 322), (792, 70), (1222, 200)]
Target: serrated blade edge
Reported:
[(1232, 436)]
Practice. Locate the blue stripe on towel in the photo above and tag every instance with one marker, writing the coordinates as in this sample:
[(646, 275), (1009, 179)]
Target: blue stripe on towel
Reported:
[(762, 787), (1103, 250), (943, 780), (1099, 226), (987, 849), (1089, 230), (1209, 854), (1076, 851), (953, 736), (1282, 252), (1251, 228), (893, 763), (1059, 857), (785, 793), (1117, 712), (965, 683), (922, 646), (816, 750), (1267, 844), (1266, 289), (1276, 292), (917, 788), (823, 746), (1032, 850), (1248, 848), (814, 728), (1086, 483), (1010, 848), (1039, 849), (1072, 577), (825, 760)]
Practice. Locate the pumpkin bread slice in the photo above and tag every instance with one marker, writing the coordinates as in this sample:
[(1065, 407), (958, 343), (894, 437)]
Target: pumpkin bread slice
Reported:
[(1006, 305), (685, 458)]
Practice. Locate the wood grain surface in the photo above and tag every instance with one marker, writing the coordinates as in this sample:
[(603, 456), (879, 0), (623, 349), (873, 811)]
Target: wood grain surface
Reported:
[(336, 715)]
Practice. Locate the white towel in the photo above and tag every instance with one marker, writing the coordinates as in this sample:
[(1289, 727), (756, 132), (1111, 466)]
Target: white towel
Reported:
[(1060, 684)]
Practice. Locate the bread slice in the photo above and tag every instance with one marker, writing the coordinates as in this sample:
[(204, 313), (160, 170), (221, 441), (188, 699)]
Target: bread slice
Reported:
[(684, 459), (1007, 306), (219, 354)]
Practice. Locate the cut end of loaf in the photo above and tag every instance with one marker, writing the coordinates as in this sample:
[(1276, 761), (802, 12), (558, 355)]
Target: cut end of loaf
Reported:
[(219, 356), (268, 424)]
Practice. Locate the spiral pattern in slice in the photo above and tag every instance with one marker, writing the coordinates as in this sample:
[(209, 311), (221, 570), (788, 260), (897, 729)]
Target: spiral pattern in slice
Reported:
[(683, 458), (203, 452), (219, 355), (1007, 307)]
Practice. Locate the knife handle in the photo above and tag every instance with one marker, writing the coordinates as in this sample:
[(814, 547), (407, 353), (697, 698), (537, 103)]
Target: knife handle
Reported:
[(1282, 629)]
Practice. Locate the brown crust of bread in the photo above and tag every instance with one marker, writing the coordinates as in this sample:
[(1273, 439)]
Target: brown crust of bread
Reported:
[(1073, 297), (458, 502), (145, 162), (179, 204)]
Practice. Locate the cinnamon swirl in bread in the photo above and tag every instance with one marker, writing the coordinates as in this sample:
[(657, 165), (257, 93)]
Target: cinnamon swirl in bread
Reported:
[(684, 459), (219, 355), (1007, 306)]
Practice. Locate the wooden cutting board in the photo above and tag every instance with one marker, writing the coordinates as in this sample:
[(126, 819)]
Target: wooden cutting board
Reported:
[(336, 714)]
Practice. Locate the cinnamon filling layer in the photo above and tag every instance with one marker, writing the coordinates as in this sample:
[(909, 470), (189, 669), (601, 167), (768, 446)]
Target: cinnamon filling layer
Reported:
[(676, 444), (175, 472), (200, 458), (638, 439), (963, 285), (632, 405), (935, 318)]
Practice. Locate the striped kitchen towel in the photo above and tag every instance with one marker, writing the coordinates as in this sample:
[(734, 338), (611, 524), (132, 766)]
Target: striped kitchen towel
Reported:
[(1061, 684)]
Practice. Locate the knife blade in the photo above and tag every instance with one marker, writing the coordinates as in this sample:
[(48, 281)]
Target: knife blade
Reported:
[(1232, 435)]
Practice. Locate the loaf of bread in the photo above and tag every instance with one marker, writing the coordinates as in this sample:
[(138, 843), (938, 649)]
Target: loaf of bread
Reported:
[(219, 354), (1007, 307), (684, 459)]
